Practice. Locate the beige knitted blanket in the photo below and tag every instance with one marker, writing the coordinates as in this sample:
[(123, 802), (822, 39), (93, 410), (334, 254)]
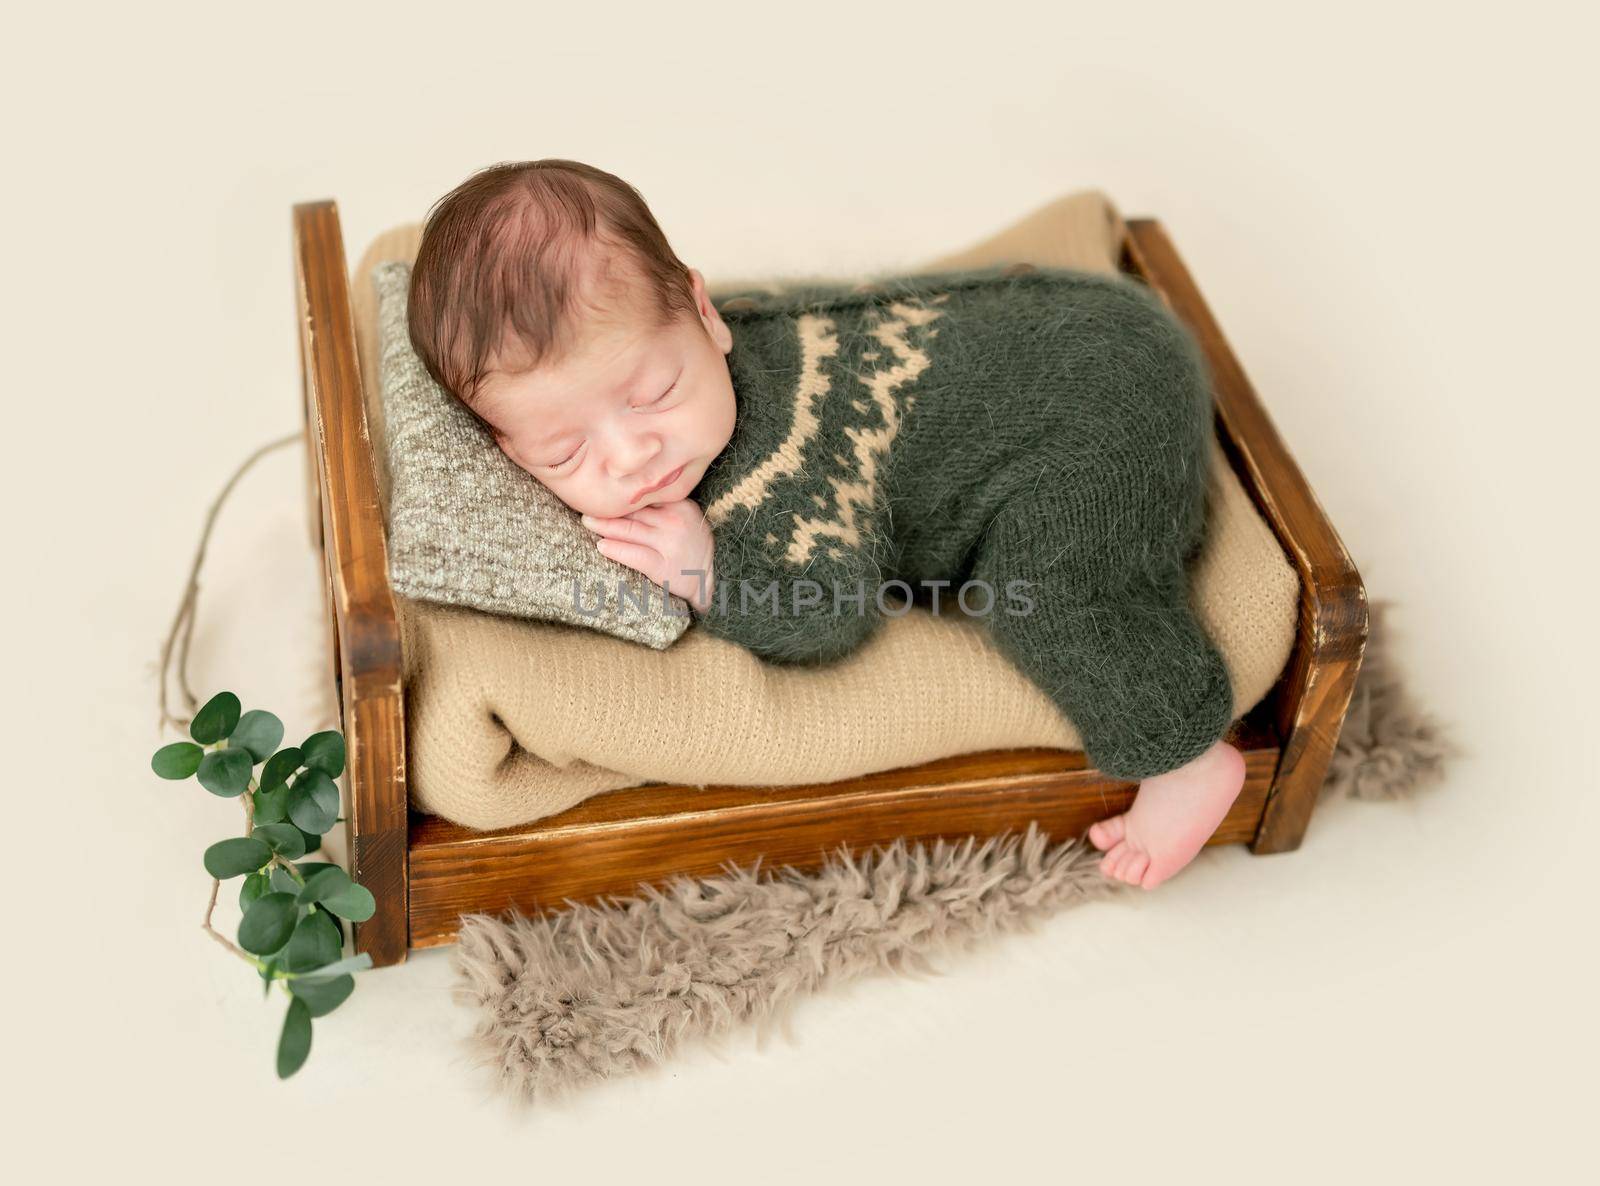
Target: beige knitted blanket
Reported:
[(510, 720)]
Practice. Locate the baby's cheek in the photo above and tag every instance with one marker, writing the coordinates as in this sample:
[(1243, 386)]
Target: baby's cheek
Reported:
[(561, 491), (511, 456)]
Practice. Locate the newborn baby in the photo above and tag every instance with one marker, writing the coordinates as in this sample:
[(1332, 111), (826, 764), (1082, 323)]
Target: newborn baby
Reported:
[(1033, 440)]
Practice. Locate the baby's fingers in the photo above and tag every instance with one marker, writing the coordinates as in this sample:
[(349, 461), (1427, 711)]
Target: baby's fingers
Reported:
[(635, 556), (620, 528)]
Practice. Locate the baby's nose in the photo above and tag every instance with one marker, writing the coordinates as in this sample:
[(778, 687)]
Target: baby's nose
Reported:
[(633, 455)]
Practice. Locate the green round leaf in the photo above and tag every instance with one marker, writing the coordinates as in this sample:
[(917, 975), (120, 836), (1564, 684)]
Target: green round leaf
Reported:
[(285, 840), (324, 752), (216, 719), (268, 923), (350, 963), (313, 841), (279, 767), (314, 802), (272, 807), (323, 996), (295, 1043), (178, 760), (240, 854), (257, 731), (226, 772), (252, 888), (316, 942), (354, 902), (323, 883)]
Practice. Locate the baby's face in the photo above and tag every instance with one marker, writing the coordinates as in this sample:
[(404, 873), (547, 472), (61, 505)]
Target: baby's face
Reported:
[(633, 405)]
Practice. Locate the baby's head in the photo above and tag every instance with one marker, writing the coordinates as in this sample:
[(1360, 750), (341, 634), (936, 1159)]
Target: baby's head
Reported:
[(545, 297)]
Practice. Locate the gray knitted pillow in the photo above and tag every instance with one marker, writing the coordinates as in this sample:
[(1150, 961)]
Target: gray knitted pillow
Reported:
[(469, 527)]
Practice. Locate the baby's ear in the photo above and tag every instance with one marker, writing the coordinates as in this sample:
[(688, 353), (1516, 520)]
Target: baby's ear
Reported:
[(709, 316), (702, 291)]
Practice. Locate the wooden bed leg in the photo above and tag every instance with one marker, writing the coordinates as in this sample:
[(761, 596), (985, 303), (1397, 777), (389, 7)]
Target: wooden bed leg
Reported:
[(366, 636), (1309, 702), (1309, 707)]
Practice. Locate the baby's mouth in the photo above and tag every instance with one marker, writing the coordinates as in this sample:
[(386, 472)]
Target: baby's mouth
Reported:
[(662, 484)]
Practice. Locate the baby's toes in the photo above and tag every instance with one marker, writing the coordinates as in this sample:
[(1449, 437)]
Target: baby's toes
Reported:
[(1133, 872), (1115, 863), (1107, 833), (1155, 874), (1108, 862)]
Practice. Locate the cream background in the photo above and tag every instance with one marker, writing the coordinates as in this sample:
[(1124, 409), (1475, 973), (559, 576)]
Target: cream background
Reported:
[(1390, 208)]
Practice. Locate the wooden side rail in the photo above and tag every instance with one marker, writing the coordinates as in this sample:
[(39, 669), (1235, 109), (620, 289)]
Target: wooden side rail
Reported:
[(1310, 701), (608, 845), (366, 637)]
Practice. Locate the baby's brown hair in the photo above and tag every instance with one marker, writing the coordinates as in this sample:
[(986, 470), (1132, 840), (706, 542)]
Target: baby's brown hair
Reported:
[(506, 254)]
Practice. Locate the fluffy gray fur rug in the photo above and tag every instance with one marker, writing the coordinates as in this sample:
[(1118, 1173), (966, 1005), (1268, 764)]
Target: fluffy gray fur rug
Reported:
[(594, 992)]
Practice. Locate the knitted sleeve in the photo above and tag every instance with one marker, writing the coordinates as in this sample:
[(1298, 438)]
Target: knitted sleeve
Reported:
[(805, 599)]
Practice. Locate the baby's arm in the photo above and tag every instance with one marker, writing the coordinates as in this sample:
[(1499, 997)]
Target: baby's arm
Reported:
[(808, 602), (781, 611)]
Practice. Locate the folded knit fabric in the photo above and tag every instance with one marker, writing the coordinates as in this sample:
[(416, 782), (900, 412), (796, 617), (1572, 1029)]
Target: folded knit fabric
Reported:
[(1039, 432)]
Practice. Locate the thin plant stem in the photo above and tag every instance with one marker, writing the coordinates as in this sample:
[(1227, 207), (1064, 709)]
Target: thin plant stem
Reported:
[(184, 620), (219, 936)]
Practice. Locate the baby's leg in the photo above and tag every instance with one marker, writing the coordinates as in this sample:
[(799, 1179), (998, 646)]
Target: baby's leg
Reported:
[(1111, 638)]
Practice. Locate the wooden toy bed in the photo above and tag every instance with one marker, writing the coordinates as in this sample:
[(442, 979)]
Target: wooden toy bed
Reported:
[(425, 871)]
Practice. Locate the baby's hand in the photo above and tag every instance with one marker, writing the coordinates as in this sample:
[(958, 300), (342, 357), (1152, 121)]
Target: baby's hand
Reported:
[(663, 541)]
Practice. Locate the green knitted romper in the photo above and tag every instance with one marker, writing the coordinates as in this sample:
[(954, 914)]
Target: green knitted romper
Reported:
[(1041, 432)]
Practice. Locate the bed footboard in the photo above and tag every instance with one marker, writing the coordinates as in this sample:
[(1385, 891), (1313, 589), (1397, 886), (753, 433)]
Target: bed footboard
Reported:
[(1309, 702)]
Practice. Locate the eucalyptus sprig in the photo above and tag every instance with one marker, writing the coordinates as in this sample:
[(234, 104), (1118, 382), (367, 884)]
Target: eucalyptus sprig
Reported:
[(292, 931)]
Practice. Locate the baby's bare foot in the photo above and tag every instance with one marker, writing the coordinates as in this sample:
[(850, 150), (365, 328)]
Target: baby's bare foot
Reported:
[(1172, 817)]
